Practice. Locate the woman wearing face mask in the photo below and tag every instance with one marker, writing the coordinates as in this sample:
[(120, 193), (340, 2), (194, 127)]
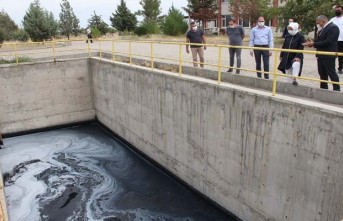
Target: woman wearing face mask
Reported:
[(291, 62)]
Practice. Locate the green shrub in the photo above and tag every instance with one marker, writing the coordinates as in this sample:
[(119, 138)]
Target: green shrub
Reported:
[(140, 31), (11, 61), (174, 23), (96, 33), (152, 27), (112, 30), (147, 28), (20, 35), (2, 35)]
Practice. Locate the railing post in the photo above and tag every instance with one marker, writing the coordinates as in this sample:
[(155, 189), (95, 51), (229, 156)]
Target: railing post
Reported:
[(180, 59), (276, 52), (130, 52), (219, 64), (15, 53), (152, 55), (113, 56), (89, 49), (100, 53), (53, 51)]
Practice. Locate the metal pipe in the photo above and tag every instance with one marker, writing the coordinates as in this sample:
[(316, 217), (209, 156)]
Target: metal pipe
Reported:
[(275, 71), (15, 54), (219, 65), (53, 51), (180, 59), (130, 52), (100, 54), (152, 55), (113, 55)]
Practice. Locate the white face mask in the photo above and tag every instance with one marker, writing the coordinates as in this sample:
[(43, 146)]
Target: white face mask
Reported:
[(194, 28), (319, 27), (292, 32), (261, 24)]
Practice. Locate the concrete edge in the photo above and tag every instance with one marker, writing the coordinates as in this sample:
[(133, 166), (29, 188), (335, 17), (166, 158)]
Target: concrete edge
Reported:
[(3, 203), (315, 105), (59, 58)]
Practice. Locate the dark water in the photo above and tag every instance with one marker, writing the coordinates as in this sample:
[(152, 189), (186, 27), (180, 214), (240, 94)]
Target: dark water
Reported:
[(83, 173)]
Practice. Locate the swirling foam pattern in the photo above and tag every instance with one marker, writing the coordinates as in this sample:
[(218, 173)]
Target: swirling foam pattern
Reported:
[(83, 173)]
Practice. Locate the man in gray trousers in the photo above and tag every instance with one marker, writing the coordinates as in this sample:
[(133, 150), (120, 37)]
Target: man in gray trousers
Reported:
[(236, 35)]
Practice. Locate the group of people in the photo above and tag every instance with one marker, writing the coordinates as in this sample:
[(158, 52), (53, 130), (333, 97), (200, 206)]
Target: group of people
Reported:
[(328, 38)]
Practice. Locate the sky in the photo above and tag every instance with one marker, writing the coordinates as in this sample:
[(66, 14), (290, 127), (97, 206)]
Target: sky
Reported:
[(82, 8)]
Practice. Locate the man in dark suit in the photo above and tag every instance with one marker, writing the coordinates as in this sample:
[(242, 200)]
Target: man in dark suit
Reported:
[(326, 41)]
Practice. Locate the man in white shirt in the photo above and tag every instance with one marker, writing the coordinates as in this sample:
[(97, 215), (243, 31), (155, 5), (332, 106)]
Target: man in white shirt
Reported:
[(338, 20)]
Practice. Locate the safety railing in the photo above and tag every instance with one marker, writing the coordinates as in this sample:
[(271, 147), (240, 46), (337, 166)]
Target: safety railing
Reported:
[(152, 51)]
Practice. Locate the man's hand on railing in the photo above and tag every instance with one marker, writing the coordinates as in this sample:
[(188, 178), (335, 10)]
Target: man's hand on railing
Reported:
[(308, 43), (252, 53)]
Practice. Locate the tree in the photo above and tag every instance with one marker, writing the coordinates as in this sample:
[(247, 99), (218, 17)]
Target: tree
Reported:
[(123, 19), (76, 25), (305, 12), (174, 23), (97, 22), (39, 23), (202, 10), (68, 21), (151, 10), (250, 10), (8, 26)]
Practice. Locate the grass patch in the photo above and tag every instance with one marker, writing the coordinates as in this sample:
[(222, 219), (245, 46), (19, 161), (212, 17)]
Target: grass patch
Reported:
[(12, 61)]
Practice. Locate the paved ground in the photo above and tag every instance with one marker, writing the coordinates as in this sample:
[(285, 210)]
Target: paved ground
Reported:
[(162, 52)]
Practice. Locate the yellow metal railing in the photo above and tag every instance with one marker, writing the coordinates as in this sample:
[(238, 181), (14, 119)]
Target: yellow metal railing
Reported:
[(150, 56)]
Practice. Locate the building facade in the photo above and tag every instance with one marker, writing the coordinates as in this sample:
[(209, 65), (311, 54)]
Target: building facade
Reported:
[(224, 14)]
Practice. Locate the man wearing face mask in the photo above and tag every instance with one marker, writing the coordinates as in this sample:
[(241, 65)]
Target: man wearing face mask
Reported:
[(195, 35), (291, 63), (261, 36), (326, 41), (338, 20), (236, 35)]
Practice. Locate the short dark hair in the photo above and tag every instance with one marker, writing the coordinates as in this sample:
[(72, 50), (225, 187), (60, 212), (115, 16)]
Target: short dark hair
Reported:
[(231, 18), (339, 6)]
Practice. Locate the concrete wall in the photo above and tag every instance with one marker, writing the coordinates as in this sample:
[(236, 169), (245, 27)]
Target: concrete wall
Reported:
[(260, 157), (38, 95)]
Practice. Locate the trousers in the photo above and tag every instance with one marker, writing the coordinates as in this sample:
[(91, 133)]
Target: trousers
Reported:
[(238, 52), (326, 69), (195, 52), (262, 55), (294, 71)]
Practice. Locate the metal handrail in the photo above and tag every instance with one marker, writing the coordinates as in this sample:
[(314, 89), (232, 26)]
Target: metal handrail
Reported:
[(180, 60)]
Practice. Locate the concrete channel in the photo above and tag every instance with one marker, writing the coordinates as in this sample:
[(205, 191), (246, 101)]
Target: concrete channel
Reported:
[(258, 156)]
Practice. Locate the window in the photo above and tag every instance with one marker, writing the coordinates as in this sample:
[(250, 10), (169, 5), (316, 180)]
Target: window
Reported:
[(244, 23), (224, 21)]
